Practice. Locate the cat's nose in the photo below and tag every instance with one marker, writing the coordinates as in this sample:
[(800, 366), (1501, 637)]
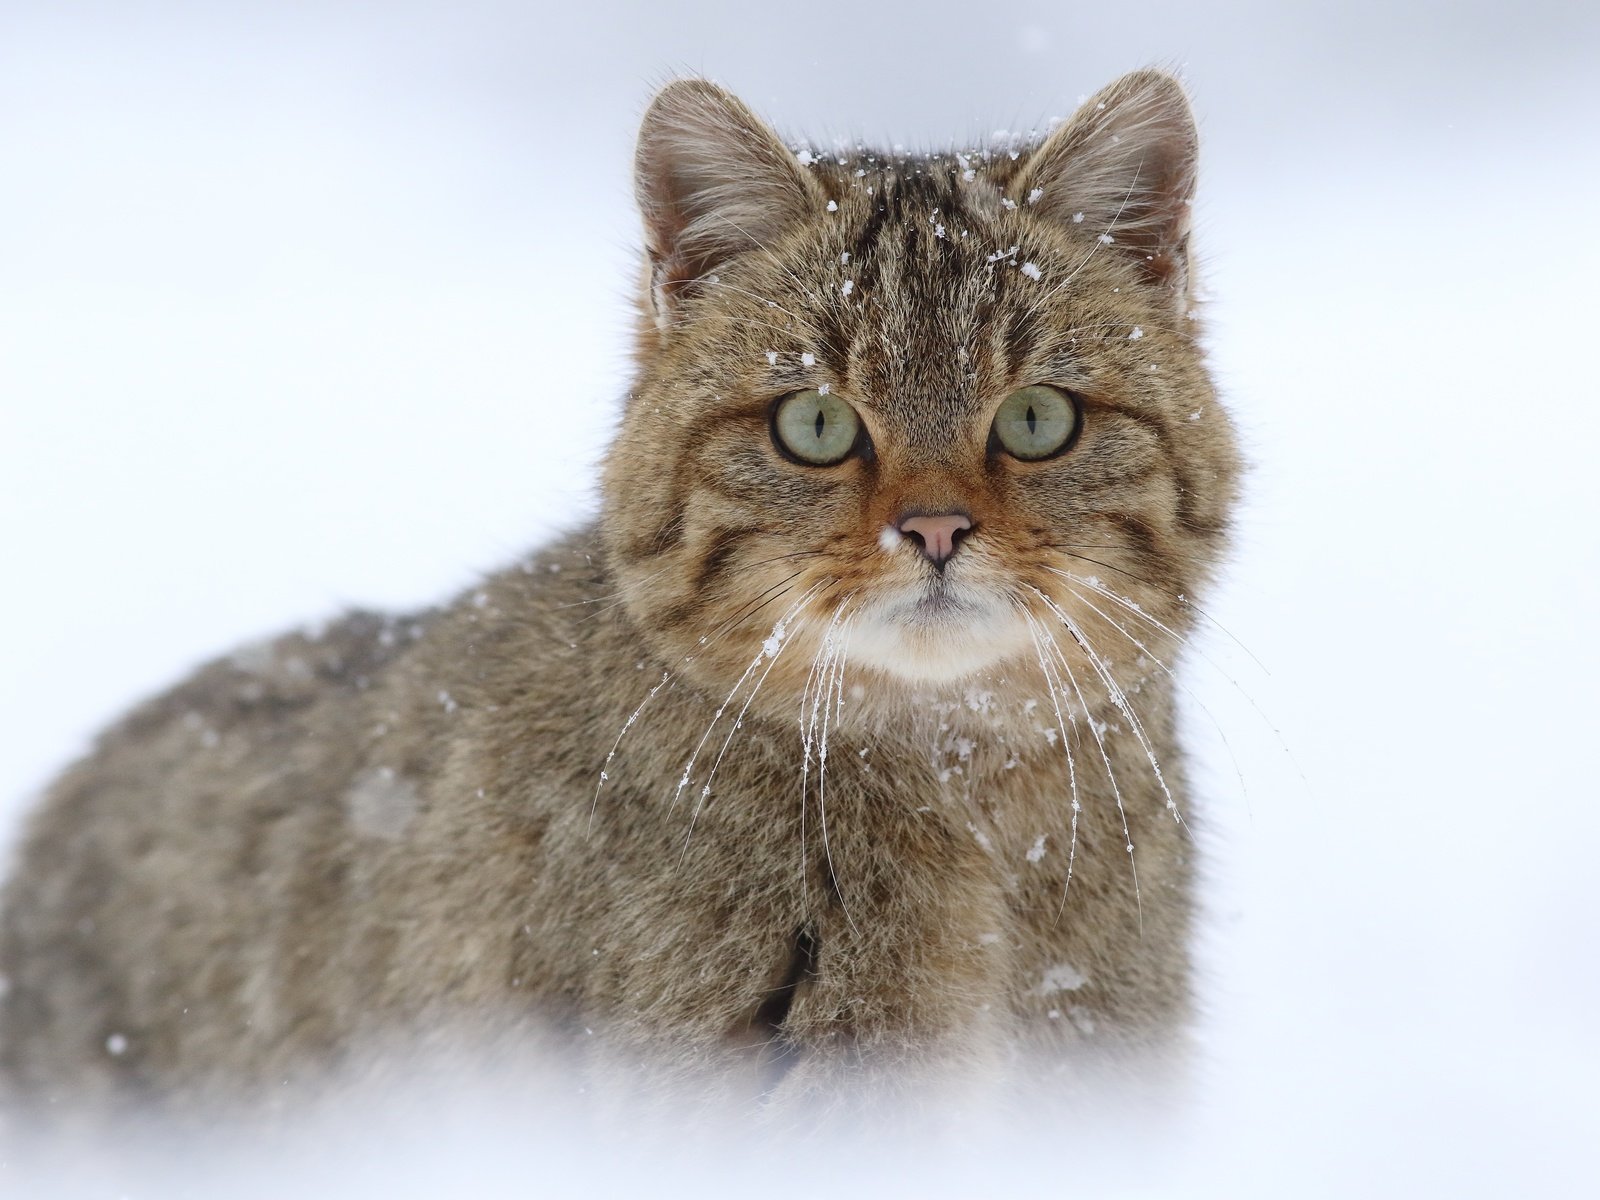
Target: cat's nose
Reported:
[(938, 535)]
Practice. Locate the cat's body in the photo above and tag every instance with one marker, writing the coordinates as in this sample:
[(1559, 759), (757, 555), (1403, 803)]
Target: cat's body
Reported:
[(696, 783)]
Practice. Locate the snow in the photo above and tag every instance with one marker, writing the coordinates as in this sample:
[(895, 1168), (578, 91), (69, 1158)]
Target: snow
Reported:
[(1063, 977), (381, 803), (295, 265), (774, 641)]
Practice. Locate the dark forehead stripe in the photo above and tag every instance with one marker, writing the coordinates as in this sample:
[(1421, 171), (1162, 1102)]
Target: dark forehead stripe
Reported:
[(907, 202), (934, 294)]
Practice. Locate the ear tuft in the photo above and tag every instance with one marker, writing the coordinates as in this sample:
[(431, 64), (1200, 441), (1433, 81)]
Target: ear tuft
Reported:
[(712, 181), (1126, 162)]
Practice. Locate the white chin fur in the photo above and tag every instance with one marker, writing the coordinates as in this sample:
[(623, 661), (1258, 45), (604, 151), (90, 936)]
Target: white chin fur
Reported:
[(904, 640)]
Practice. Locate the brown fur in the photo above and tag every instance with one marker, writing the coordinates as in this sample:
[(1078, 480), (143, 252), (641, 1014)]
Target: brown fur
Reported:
[(473, 818)]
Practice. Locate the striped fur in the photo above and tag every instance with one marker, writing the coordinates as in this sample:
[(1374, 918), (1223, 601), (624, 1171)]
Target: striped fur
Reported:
[(730, 786)]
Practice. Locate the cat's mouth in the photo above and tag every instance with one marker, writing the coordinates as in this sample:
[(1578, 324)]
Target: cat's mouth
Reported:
[(939, 602), (936, 632)]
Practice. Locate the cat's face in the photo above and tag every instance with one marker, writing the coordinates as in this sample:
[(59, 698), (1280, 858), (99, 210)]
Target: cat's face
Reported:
[(945, 414)]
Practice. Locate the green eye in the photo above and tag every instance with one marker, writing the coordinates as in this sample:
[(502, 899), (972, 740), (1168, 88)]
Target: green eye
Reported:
[(1036, 422), (815, 428)]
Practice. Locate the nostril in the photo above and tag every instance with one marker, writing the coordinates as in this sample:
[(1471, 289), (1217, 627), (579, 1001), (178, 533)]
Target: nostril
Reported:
[(938, 535)]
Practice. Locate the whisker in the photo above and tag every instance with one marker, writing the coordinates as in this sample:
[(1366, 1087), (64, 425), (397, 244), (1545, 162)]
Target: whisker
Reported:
[(1111, 775), (1052, 685), (817, 690), (842, 645), (805, 745), (605, 768), (669, 675), (1118, 698), (1157, 660), (771, 649), (1180, 598), (1204, 560), (749, 609), (1128, 605), (755, 662), (616, 595)]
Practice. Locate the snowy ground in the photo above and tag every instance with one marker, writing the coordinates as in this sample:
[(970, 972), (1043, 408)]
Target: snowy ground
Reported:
[(303, 307)]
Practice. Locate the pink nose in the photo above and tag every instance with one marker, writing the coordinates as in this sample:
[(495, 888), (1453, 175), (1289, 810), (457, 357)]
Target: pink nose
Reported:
[(937, 535)]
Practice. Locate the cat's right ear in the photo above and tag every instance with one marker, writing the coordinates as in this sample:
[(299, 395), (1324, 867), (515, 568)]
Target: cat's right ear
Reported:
[(712, 181)]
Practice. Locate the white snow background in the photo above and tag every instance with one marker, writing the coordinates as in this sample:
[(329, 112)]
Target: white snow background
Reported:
[(310, 305)]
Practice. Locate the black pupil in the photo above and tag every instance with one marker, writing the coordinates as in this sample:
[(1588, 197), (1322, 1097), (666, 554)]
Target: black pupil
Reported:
[(820, 423), (1033, 421)]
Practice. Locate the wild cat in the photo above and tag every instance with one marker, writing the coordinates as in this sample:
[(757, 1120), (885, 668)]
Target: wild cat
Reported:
[(839, 750)]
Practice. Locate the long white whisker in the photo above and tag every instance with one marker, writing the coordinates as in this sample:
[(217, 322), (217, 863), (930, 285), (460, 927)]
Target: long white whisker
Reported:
[(1182, 599), (1093, 584), (812, 692), (688, 767), (706, 643), (770, 650), (1156, 659), (605, 769), (837, 683), (1052, 685), (1118, 698), (1111, 775)]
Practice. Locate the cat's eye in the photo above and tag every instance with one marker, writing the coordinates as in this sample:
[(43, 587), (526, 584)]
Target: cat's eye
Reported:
[(1036, 422), (815, 428)]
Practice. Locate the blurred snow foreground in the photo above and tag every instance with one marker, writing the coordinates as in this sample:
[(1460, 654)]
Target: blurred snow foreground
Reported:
[(216, 289), (530, 1123)]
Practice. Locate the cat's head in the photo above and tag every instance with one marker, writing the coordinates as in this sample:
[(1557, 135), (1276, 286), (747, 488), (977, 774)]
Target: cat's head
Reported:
[(946, 413)]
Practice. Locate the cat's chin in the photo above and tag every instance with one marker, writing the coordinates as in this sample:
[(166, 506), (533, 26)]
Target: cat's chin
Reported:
[(936, 639)]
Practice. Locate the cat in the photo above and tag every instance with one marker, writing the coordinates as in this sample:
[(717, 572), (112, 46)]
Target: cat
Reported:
[(838, 753)]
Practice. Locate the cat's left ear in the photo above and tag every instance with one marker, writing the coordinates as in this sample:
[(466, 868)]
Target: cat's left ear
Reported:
[(1123, 167), (713, 181)]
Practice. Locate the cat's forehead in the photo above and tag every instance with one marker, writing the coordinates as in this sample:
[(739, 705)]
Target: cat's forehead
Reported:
[(917, 213), (917, 289)]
